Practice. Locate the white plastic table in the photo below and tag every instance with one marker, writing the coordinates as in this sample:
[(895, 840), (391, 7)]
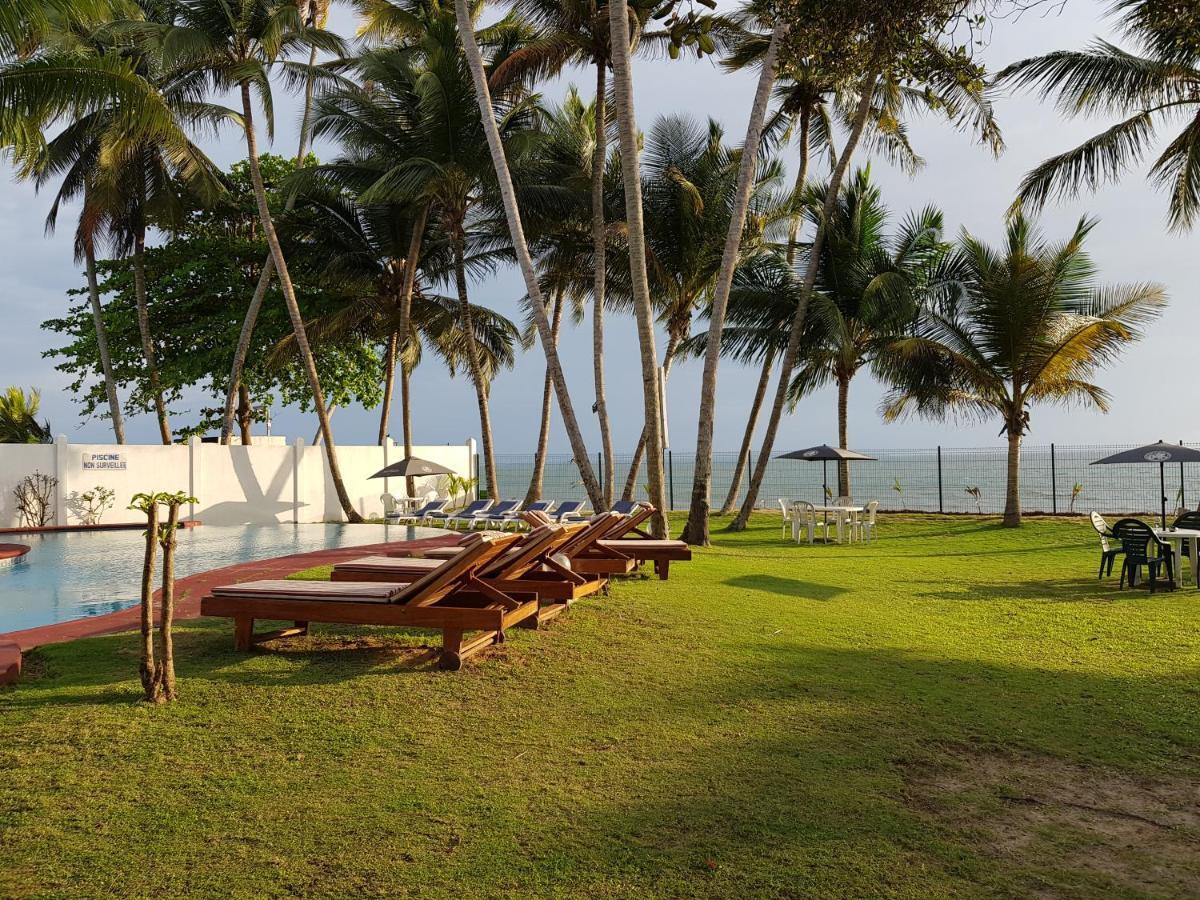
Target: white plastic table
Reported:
[(1176, 537)]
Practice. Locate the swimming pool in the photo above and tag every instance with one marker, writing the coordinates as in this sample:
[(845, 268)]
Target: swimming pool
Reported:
[(77, 574)]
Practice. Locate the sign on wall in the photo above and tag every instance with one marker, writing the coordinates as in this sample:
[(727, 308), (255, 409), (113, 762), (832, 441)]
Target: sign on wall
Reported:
[(112, 462)]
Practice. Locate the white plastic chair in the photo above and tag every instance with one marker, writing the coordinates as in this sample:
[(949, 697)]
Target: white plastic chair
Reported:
[(866, 523), (389, 506), (804, 517), (787, 518)]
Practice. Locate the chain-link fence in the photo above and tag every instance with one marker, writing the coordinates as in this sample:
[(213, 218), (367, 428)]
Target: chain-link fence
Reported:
[(1054, 479)]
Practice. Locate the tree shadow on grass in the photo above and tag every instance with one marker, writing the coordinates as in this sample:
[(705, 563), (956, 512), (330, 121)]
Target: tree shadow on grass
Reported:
[(786, 587), (815, 796), (1044, 590)]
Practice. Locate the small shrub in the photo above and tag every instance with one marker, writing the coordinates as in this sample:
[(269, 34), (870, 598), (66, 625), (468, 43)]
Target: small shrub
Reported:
[(35, 499)]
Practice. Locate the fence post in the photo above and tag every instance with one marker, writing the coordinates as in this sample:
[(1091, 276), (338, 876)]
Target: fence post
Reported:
[(1053, 483), (1182, 495), (941, 503), (671, 476)]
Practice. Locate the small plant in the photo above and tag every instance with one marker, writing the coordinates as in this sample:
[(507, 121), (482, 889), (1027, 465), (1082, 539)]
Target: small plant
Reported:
[(158, 677), (460, 484), (35, 499), (828, 494), (898, 487), (1076, 493), (977, 495), (93, 504)]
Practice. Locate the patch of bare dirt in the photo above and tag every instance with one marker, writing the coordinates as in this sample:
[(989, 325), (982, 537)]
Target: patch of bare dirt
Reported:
[(1073, 825)]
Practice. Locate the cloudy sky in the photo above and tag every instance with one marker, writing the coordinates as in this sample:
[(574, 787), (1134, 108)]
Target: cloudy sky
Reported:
[(1149, 385)]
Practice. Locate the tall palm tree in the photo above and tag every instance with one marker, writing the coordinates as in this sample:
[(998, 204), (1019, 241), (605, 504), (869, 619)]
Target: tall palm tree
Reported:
[(576, 32), (885, 72), (520, 246), (867, 293), (126, 175), (619, 42), (1155, 84), (314, 14), (235, 42), (1030, 325)]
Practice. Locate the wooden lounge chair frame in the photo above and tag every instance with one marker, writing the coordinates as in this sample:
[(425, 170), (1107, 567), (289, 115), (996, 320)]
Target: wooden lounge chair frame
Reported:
[(451, 598), (531, 565)]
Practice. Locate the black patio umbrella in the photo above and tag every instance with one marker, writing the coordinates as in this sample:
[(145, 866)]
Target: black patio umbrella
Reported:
[(412, 466), (823, 454), (1160, 453)]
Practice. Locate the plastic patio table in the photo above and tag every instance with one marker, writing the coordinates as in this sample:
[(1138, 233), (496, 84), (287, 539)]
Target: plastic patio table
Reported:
[(1176, 537)]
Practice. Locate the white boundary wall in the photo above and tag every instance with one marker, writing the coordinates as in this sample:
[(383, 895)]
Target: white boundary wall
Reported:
[(235, 485)]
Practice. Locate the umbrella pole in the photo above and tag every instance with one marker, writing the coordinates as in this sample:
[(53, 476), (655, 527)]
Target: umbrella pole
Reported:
[(1162, 484), (825, 481)]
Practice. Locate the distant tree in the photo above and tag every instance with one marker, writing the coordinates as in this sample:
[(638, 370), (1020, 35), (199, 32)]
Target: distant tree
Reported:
[(1030, 325)]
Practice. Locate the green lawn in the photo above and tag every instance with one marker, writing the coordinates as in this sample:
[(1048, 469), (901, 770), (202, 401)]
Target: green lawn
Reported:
[(955, 709)]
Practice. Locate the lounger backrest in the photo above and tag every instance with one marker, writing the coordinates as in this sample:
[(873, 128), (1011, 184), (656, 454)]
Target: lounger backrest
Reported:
[(433, 506), (594, 531), (625, 507), (524, 555), (475, 506), (566, 508), (476, 553), (630, 522), (538, 506), (503, 508), (534, 518)]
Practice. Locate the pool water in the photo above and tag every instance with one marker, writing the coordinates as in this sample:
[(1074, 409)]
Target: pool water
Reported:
[(77, 574)]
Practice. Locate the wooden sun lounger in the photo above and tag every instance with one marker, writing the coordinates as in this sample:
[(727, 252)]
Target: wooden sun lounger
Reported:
[(660, 552), (451, 598), (532, 564)]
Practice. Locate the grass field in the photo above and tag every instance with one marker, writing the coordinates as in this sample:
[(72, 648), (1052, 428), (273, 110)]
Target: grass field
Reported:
[(955, 709)]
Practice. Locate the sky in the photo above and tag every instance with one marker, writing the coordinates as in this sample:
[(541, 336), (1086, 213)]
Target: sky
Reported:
[(1148, 385)]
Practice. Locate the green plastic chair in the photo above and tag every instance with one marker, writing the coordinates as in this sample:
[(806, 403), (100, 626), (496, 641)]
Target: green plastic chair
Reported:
[(1143, 548)]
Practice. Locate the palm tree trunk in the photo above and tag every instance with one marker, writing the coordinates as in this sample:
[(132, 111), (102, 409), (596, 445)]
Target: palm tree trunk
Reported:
[(512, 214), (635, 465), (1012, 491), (303, 350), (739, 469), (110, 383), (539, 457), (618, 21), (244, 416), (477, 376), (143, 320), (696, 530), (410, 483), (411, 261), (798, 188), (810, 276), (389, 385), (599, 256), (264, 279), (332, 408), (843, 405)]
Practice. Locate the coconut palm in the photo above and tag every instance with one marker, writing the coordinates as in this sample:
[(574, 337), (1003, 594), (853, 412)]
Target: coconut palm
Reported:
[(414, 126), (576, 32), (126, 175), (314, 14), (235, 43), (18, 418), (1156, 84), (520, 246), (867, 292), (1030, 325)]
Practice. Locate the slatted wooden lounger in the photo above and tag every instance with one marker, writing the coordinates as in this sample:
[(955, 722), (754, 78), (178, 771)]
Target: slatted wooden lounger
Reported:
[(613, 551), (451, 598), (530, 565)]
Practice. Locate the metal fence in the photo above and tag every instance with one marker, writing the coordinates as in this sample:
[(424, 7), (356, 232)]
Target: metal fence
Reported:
[(1055, 478)]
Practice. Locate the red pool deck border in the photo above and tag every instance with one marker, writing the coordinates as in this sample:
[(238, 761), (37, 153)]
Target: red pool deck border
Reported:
[(188, 592)]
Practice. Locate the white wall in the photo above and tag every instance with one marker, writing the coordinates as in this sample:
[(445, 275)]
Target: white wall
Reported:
[(235, 485)]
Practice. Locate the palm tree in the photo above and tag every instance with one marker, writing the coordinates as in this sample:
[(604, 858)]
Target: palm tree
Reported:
[(520, 246), (867, 293), (235, 42), (18, 418), (1156, 83), (1029, 325), (576, 32), (950, 82), (619, 15), (314, 14), (126, 175)]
